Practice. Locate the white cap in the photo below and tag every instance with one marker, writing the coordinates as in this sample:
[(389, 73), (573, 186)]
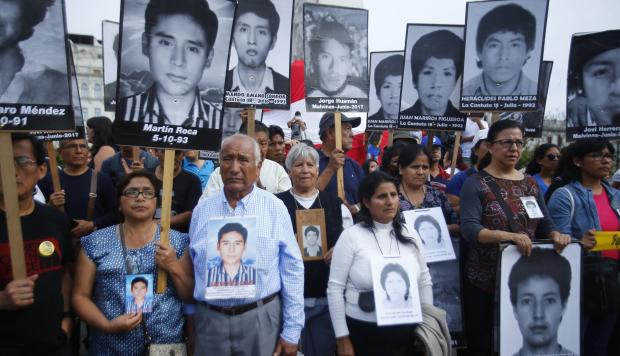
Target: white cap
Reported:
[(616, 176), (480, 135)]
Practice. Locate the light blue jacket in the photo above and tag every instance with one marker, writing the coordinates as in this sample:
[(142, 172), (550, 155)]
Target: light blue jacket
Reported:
[(577, 215)]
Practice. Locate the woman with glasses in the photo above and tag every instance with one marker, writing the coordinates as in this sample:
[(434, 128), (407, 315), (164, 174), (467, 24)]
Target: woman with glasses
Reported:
[(132, 248), (543, 165), (586, 204), (493, 213), (414, 164)]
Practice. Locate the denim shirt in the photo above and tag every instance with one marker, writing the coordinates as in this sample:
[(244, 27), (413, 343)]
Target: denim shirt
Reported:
[(584, 213)]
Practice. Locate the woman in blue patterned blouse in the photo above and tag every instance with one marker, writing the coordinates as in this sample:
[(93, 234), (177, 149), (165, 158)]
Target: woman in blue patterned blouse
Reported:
[(99, 291)]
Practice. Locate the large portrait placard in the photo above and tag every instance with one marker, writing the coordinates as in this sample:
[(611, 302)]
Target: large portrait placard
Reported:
[(35, 93), (532, 121), (336, 58), (430, 92), (540, 301), (80, 128), (172, 67), (504, 43), (385, 80), (395, 288), (593, 107), (259, 60), (111, 40)]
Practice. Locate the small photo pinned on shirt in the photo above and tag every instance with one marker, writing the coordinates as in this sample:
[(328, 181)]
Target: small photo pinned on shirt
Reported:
[(531, 207), (138, 293)]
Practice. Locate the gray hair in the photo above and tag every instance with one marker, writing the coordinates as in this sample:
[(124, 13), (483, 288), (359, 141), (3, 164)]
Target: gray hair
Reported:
[(227, 140), (298, 151)]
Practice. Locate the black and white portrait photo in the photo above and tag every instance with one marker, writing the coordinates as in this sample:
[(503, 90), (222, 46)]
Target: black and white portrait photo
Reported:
[(259, 64), (34, 72), (172, 70), (336, 58), (503, 54), (395, 290), (431, 78), (430, 225), (110, 33), (540, 301), (313, 246), (593, 97), (532, 121), (386, 76)]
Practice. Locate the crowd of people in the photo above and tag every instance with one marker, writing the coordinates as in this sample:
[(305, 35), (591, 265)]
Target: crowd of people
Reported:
[(296, 258)]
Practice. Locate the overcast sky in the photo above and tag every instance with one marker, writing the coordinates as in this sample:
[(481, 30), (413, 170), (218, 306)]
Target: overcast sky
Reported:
[(388, 19)]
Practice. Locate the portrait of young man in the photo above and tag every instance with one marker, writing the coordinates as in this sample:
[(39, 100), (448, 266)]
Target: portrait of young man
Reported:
[(254, 37), (505, 40), (312, 242), (434, 64), (594, 72), (25, 77), (540, 285), (335, 52), (231, 245), (387, 76), (178, 42)]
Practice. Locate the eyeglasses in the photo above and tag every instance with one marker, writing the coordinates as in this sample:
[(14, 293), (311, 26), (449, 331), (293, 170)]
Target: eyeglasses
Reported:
[(508, 143), (553, 157), (598, 156), (75, 146), (23, 162), (134, 193)]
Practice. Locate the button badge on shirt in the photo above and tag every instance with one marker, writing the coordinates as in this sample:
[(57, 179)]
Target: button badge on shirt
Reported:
[(46, 248)]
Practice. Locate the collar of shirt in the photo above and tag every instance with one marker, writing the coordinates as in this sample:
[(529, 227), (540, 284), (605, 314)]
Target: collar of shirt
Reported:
[(154, 108), (481, 88), (267, 82), (242, 204), (30, 69)]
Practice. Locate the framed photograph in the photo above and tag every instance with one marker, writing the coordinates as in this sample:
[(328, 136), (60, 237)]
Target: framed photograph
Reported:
[(138, 293), (311, 234), (172, 70), (259, 62), (336, 58), (532, 122), (395, 288), (447, 294), (432, 229), (38, 97), (540, 301), (592, 108), (80, 129), (231, 257), (386, 77), (504, 43), (430, 93), (111, 40)]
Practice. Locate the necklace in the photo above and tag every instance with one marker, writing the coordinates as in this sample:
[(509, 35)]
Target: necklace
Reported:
[(413, 203), (372, 229)]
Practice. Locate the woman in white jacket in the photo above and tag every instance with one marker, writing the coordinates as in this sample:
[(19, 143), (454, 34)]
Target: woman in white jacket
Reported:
[(350, 286)]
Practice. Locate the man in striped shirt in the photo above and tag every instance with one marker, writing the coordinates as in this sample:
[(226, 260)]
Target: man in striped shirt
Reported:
[(178, 41)]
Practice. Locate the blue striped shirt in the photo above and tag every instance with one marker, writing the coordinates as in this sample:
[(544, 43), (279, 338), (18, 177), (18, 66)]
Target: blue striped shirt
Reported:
[(279, 267)]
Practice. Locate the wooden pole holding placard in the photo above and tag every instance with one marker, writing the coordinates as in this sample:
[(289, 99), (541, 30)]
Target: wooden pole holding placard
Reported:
[(455, 152), (51, 154), (250, 122), (135, 154), (166, 204), (11, 206), (390, 137), (494, 117), (340, 172), (429, 143)]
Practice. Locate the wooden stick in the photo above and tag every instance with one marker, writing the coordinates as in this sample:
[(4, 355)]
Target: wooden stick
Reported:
[(429, 143), (166, 205), (11, 206), (51, 154), (340, 172), (135, 154), (494, 117), (251, 118), (390, 137), (455, 152)]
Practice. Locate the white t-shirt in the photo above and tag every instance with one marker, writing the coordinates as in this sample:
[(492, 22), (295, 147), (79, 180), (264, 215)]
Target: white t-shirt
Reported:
[(471, 127)]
